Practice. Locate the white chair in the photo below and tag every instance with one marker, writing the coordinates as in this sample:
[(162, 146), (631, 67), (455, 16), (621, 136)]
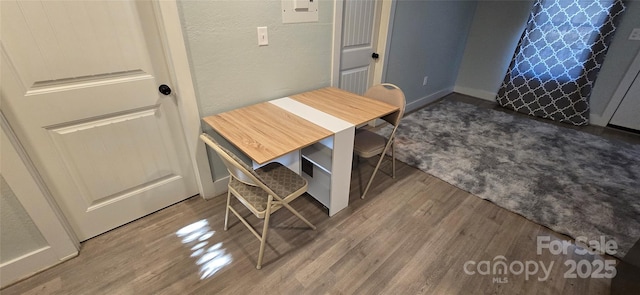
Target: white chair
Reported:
[(367, 143), (263, 191)]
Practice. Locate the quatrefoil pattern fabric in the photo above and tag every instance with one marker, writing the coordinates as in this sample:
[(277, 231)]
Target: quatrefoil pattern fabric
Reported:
[(558, 58)]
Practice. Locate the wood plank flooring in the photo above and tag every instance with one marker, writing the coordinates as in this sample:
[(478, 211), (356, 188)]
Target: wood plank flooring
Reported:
[(411, 235)]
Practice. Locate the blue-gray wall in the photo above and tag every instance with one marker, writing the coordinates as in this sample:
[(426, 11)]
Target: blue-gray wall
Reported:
[(621, 53), (494, 35), (427, 39)]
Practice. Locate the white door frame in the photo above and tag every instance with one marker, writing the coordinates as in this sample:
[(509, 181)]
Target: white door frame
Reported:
[(168, 18), (382, 44), (336, 56), (619, 94)]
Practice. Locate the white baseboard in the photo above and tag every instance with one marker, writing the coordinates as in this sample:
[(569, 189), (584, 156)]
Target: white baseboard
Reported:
[(414, 105), (29, 264), (486, 95)]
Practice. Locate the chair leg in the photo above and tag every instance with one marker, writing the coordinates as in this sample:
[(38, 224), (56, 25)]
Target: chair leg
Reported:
[(393, 160), (375, 170), (265, 229), (296, 213), (384, 152), (226, 214)]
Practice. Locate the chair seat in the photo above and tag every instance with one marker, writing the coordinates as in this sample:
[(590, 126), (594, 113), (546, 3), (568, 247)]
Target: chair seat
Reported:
[(368, 144), (276, 176), (252, 196), (281, 179)]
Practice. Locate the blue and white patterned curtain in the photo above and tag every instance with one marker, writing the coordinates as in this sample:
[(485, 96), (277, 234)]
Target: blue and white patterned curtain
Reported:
[(558, 58)]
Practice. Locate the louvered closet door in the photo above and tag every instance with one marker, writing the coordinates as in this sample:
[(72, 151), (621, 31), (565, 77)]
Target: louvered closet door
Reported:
[(80, 86), (358, 44)]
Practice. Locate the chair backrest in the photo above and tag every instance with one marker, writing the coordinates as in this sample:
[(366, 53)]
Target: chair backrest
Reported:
[(237, 168), (391, 94)]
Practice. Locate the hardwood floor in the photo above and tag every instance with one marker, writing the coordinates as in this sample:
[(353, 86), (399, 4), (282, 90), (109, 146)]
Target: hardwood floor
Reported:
[(411, 235)]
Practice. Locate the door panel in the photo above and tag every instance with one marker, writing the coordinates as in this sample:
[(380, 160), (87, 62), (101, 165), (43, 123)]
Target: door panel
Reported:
[(358, 43), (90, 154), (355, 80), (72, 39), (83, 94)]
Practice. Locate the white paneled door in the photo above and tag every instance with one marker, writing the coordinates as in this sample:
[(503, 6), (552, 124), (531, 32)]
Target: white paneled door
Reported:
[(80, 86), (359, 32)]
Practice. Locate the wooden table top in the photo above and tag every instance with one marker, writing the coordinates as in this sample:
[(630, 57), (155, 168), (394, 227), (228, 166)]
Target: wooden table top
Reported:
[(348, 106), (265, 131)]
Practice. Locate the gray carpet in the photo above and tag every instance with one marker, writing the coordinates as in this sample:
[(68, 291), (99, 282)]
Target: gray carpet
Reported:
[(573, 182)]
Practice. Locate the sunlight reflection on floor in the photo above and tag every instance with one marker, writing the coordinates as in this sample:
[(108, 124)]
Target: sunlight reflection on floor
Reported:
[(210, 259)]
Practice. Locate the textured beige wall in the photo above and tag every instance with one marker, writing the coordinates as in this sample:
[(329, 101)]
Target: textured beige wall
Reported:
[(230, 70), (18, 233)]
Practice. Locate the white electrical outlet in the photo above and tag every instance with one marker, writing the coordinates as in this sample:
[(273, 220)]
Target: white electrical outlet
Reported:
[(635, 34), (424, 81)]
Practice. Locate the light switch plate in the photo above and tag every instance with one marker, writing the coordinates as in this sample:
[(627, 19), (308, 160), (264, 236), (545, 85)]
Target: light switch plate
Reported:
[(263, 37), (635, 34)]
